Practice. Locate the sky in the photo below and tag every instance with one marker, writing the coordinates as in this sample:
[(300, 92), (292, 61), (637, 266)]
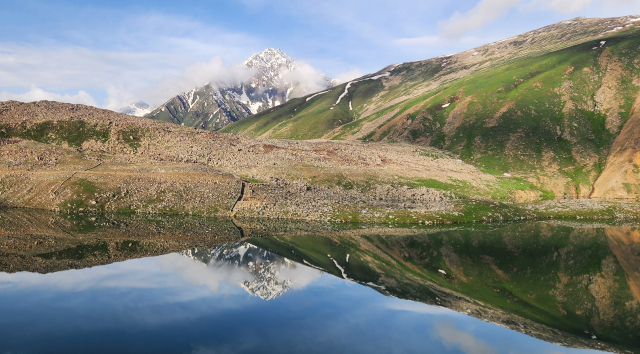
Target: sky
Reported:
[(112, 53)]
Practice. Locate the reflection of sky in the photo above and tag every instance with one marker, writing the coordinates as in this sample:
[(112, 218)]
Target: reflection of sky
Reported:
[(173, 304)]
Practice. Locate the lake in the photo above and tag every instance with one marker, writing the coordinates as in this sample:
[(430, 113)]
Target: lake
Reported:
[(161, 284)]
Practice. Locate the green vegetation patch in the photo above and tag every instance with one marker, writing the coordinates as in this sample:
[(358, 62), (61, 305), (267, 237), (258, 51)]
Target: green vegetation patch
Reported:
[(84, 196), (74, 132), (132, 137), (93, 250), (100, 249)]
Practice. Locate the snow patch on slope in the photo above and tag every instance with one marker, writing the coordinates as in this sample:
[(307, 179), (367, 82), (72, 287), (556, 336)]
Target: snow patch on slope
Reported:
[(346, 89)]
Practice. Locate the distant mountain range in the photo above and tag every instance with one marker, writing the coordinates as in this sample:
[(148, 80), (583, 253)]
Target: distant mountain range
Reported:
[(138, 109), (215, 105)]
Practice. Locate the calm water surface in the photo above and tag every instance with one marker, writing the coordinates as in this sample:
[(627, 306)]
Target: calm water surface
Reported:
[(291, 294)]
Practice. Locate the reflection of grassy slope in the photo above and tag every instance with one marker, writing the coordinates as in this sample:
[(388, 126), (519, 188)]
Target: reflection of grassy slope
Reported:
[(94, 250), (315, 250), (543, 273)]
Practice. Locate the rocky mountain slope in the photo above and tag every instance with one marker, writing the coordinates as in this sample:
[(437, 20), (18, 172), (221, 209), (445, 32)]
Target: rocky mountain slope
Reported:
[(215, 105), (556, 107)]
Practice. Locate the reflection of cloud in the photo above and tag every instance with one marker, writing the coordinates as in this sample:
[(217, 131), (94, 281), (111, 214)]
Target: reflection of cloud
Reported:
[(300, 275), (215, 273), (211, 276), (130, 274), (406, 305), (465, 342), (153, 273)]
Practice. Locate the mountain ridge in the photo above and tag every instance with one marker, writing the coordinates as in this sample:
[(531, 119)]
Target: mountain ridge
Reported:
[(545, 106), (215, 105)]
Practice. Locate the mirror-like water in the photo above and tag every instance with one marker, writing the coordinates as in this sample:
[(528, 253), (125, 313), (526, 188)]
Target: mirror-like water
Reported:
[(73, 284)]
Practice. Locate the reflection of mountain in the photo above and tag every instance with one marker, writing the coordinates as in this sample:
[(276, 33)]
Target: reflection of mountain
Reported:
[(44, 242), (265, 267), (573, 286)]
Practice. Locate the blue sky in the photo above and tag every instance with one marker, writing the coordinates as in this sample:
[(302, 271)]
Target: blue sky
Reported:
[(111, 53)]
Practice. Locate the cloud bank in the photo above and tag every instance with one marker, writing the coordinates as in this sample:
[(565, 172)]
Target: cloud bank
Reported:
[(198, 74), (306, 78), (38, 94), (488, 11)]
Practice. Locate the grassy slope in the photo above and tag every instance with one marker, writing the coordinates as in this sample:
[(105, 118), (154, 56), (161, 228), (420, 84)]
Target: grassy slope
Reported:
[(535, 132), (515, 268), (535, 137)]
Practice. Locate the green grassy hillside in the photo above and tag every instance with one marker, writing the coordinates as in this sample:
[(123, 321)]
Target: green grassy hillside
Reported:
[(548, 116)]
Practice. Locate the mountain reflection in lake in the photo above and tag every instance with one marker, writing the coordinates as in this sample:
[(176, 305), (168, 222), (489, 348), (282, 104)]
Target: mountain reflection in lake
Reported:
[(514, 288)]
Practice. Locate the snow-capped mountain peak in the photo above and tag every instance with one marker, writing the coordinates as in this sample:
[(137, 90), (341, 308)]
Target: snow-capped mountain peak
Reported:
[(213, 106), (138, 109), (270, 59), (270, 64)]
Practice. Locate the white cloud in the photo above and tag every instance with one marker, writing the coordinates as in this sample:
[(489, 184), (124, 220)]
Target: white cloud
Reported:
[(63, 68), (488, 11), (198, 74), (38, 94), (485, 12), (300, 275), (306, 78), (562, 6), (128, 55), (147, 48), (419, 41), (349, 75), (119, 97), (463, 341)]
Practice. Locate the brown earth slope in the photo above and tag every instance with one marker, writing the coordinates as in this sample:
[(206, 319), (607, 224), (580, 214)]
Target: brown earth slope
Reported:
[(70, 157), (621, 175), (75, 158)]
